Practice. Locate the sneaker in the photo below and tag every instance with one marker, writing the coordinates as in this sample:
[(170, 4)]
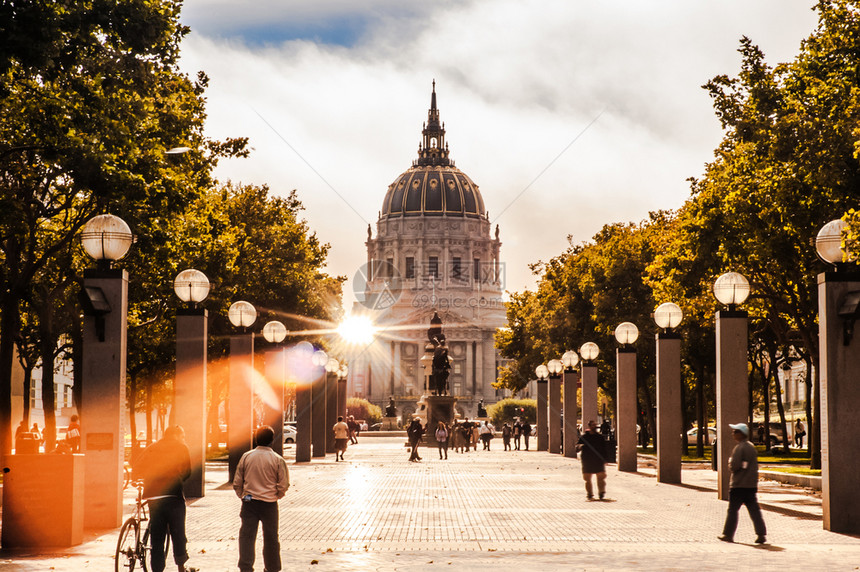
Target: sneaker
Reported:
[(590, 497), (726, 538), (760, 540), (602, 495)]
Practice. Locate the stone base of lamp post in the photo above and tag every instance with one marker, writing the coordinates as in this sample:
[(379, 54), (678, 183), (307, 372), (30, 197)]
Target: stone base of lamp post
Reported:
[(103, 403), (320, 428), (240, 409), (840, 401), (571, 381), (732, 388), (189, 403), (625, 408), (669, 425), (589, 394), (541, 428), (554, 414), (303, 422), (330, 409)]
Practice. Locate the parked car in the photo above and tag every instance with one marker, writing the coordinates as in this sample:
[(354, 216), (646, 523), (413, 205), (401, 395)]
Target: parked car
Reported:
[(289, 433), (376, 427), (693, 433), (757, 434)]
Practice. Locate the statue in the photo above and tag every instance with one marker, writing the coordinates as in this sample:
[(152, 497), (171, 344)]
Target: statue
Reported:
[(391, 410), (440, 364), (369, 234), (441, 368), (482, 411)]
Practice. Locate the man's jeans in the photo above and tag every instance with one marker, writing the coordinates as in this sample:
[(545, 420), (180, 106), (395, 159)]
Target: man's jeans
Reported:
[(167, 514), (254, 512), (738, 497)]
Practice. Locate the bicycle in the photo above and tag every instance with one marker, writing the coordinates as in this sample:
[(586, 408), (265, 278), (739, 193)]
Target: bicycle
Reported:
[(132, 546)]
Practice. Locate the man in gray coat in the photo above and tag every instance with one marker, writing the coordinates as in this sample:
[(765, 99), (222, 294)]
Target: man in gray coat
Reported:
[(744, 485)]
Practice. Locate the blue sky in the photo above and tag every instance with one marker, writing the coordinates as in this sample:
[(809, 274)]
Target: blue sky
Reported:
[(332, 95)]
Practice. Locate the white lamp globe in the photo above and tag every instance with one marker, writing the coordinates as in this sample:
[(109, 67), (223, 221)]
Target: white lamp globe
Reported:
[(242, 314), (554, 366), (106, 237), (542, 371), (828, 242), (589, 351), (191, 286), (319, 358), (731, 289), (668, 315), (332, 365), (626, 333), (569, 359), (274, 332)]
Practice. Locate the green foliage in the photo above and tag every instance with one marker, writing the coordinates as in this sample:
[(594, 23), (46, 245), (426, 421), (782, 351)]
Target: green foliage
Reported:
[(509, 409), (363, 409)]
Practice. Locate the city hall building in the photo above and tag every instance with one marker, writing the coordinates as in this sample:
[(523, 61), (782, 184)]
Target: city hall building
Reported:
[(433, 250)]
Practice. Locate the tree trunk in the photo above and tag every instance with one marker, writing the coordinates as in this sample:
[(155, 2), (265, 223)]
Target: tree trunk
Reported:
[(28, 383), (77, 360), (780, 408), (700, 411), (813, 415), (49, 404), (149, 413), (132, 409), (765, 381)]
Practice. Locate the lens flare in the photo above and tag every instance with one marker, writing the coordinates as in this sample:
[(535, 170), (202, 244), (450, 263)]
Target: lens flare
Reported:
[(357, 330)]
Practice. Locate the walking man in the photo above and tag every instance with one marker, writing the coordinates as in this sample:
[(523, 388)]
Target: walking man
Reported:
[(414, 433), (506, 436), (163, 466), (262, 478), (743, 486), (593, 448), (527, 432), (518, 432), (341, 437), (486, 433)]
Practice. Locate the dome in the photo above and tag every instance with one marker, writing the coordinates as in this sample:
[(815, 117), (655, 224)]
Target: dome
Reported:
[(433, 186), (433, 191)]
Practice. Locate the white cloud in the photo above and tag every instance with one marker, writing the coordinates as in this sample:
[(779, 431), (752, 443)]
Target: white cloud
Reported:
[(516, 82)]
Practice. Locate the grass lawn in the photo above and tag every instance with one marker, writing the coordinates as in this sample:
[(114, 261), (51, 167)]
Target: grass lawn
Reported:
[(798, 457)]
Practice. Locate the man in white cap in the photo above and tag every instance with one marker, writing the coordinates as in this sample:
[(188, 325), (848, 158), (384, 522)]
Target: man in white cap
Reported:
[(744, 485)]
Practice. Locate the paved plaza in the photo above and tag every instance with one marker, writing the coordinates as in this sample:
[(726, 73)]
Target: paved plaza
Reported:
[(492, 510)]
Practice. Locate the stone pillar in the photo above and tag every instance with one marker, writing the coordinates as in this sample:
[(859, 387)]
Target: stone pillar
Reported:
[(273, 403), (669, 424), (189, 402), (625, 409), (330, 409), (732, 388), (318, 420), (240, 408), (571, 381), (303, 421), (341, 398), (103, 404), (589, 394), (840, 401), (554, 413), (541, 429)]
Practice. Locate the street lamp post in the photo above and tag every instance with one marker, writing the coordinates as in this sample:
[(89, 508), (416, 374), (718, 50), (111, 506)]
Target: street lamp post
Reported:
[(275, 363), (668, 316), (838, 309), (240, 408), (589, 352), (318, 408), (570, 382), (301, 356), (555, 368), (106, 238), (730, 289), (625, 399), (189, 388), (331, 367), (342, 376)]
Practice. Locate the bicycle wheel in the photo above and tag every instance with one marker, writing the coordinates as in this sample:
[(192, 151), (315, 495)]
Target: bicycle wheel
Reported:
[(126, 546)]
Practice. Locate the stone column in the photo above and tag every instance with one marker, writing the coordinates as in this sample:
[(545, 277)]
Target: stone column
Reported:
[(571, 381), (240, 408), (189, 403), (330, 409), (669, 424), (103, 404), (625, 408), (554, 413), (318, 423), (589, 394), (273, 403), (732, 388), (303, 421), (840, 401), (341, 398), (541, 429)]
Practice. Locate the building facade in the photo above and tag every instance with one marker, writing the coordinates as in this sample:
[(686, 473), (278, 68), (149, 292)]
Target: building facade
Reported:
[(433, 251)]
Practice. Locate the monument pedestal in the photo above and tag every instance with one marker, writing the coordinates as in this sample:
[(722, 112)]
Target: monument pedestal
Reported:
[(389, 423), (439, 408)]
